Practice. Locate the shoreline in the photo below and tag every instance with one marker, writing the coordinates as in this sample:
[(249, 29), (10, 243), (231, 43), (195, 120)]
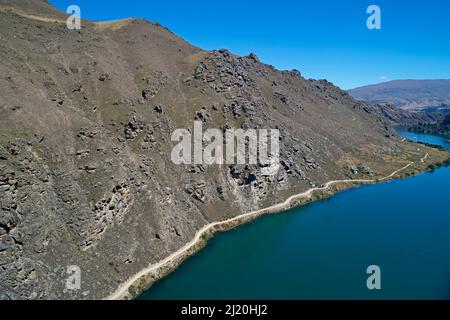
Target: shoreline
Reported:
[(148, 276)]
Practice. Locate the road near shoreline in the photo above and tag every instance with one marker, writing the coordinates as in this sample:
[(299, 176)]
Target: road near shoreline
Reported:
[(122, 291)]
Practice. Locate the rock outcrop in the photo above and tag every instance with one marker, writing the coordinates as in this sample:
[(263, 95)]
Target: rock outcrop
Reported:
[(86, 119)]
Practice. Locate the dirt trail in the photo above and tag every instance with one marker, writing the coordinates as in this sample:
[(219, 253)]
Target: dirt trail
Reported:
[(32, 16), (122, 291)]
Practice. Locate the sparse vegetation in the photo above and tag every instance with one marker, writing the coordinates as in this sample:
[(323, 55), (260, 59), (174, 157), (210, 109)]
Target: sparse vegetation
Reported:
[(101, 105), (442, 128)]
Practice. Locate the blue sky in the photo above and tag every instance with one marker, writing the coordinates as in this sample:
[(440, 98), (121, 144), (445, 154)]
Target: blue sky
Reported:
[(323, 39)]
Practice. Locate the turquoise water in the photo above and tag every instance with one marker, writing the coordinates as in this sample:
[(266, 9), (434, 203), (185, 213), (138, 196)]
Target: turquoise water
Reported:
[(322, 251)]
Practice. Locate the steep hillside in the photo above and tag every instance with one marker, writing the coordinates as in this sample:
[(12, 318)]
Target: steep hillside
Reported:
[(86, 176)]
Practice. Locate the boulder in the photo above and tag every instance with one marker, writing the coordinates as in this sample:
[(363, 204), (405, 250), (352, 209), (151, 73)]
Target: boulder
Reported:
[(353, 169), (104, 77), (6, 242)]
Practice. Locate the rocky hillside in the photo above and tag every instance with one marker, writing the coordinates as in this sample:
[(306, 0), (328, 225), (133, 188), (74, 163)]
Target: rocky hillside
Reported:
[(415, 95), (439, 128), (86, 176)]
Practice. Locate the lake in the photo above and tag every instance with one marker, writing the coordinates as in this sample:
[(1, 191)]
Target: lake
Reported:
[(322, 250)]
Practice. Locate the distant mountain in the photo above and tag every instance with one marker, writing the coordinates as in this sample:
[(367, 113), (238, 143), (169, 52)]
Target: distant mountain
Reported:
[(406, 118), (416, 95)]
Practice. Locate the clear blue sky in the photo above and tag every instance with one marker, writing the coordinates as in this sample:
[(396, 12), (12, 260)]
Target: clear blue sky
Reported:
[(322, 39)]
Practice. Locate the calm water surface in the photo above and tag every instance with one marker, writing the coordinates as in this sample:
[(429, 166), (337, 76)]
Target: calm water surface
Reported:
[(322, 251)]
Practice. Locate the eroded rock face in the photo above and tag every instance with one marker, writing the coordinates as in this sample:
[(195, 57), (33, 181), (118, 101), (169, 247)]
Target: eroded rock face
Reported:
[(86, 177), (107, 212)]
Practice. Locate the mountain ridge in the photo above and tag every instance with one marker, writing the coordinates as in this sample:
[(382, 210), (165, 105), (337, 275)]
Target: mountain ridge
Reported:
[(415, 95), (86, 177)]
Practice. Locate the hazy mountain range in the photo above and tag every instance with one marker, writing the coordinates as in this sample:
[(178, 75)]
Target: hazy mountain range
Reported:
[(416, 95)]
